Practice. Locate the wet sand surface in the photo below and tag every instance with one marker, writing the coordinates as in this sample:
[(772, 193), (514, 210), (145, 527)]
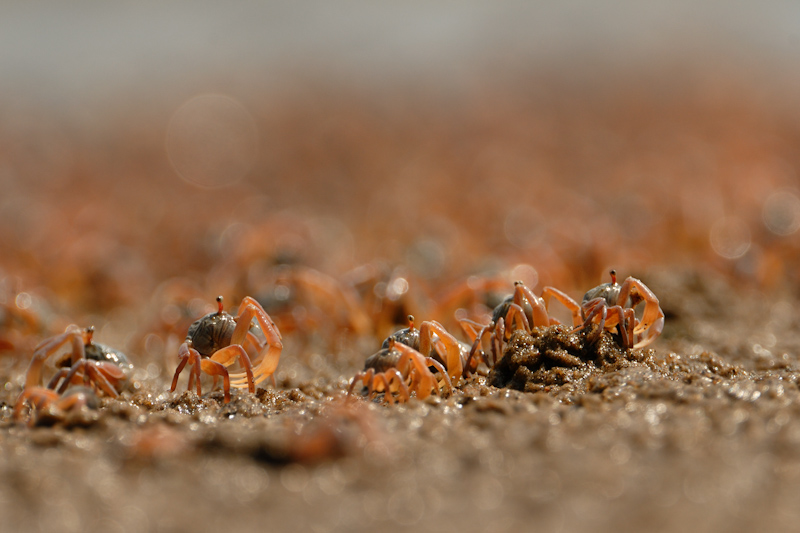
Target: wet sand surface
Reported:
[(701, 432), (397, 199)]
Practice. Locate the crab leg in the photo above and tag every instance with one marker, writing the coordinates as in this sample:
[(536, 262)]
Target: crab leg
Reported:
[(569, 303), (396, 377), (98, 374), (652, 318), (391, 380), (652, 333), (39, 398), (227, 355), (73, 335), (422, 383), (516, 318), (194, 376), (596, 307), (377, 384), (469, 366), (271, 353), (422, 380), (111, 372), (630, 322), (445, 378), (35, 397), (178, 371), (380, 383), (447, 346), (90, 372), (471, 329), (192, 357), (539, 310), (57, 378), (364, 377), (477, 346), (609, 317), (254, 342), (618, 319), (499, 335), (214, 368), (72, 399), (652, 309), (80, 365)]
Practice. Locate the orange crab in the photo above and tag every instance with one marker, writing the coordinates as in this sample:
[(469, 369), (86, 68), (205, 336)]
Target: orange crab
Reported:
[(521, 310), (609, 306), (48, 405), (107, 370), (218, 339), (401, 366)]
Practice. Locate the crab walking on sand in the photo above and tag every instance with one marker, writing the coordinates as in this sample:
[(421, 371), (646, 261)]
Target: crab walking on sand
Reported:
[(611, 305), (218, 339), (402, 365)]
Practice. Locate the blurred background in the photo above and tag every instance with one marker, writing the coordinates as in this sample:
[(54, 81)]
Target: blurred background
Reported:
[(348, 163), (153, 155)]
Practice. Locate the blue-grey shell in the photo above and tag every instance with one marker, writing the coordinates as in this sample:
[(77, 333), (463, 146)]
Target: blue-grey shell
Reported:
[(96, 351), (211, 332), (407, 336), (382, 360), (608, 291)]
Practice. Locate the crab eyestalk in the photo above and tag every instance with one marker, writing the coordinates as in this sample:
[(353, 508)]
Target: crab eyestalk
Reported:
[(410, 321), (219, 302), (613, 277), (88, 334)]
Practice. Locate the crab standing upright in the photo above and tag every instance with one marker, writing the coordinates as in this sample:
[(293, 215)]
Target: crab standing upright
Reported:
[(403, 363), (218, 339), (611, 306)]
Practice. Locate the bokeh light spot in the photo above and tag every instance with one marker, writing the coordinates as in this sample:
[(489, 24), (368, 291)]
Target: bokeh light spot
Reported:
[(23, 300), (781, 213), (730, 237), (212, 141), (526, 274)]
